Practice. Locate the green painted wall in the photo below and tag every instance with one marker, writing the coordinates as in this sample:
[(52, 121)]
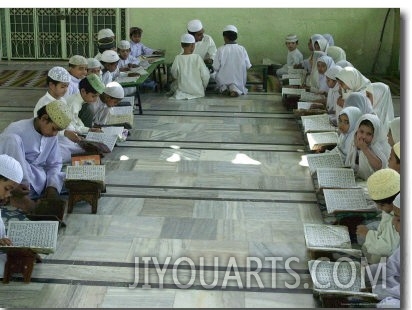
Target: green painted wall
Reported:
[(262, 30)]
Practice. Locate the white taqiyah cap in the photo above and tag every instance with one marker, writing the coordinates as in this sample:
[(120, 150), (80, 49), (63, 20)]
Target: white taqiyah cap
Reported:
[(115, 90), (187, 38), (110, 56), (291, 38), (78, 60), (230, 28), (194, 25), (93, 63), (10, 168), (105, 33), (59, 74), (123, 45)]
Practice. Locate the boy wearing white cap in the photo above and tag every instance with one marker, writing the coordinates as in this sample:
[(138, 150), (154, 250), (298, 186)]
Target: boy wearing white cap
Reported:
[(294, 57), (94, 66), (112, 95), (383, 186), (78, 71), (394, 161), (126, 60), (33, 143), (189, 72), (11, 174), (58, 80), (109, 60), (137, 47), (204, 44), (231, 64)]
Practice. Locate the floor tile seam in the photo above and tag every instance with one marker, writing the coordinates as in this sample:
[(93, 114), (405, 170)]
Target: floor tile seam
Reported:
[(211, 148)]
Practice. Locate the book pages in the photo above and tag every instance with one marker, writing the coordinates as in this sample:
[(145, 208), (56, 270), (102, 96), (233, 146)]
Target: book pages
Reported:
[(336, 178), (119, 115), (86, 172), (113, 130), (308, 96), (328, 236), (303, 105), (349, 200), (316, 123), (39, 236), (292, 91), (322, 139), (324, 160), (108, 139)]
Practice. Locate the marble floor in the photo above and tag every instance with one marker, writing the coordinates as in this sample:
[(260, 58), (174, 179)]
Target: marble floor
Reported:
[(204, 207)]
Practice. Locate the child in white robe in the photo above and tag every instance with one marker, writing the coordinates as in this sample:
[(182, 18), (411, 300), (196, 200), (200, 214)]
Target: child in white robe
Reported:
[(78, 71), (189, 72), (360, 101), (112, 95), (231, 64), (109, 61), (294, 57), (337, 53), (370, 149), (323, 63), (333, 94), (205, 47), (351, 80), (382, 104), (394, 133)]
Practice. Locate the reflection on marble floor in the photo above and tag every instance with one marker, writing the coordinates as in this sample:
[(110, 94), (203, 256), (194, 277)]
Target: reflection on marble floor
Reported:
[(214, 180)]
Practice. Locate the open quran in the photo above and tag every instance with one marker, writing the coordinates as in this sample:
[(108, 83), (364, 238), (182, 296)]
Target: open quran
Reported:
[(336, 178), (308, 96), (100, 141), (38, 236), (330, 238), (347, 200), (319, 139), (317, 123), (324, 160), (86, 172), (292, 91), (121, 115)]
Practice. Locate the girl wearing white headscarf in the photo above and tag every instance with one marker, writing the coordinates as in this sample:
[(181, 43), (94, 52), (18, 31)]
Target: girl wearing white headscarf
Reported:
[(370, 149), (344, 63), (337, 53), (319, 43), (394, 134), (382, 104), (313, 79), (360, 101), (329, 38), (323, 64), (347, 131), (308, 62), (333, 94), (351, 80)]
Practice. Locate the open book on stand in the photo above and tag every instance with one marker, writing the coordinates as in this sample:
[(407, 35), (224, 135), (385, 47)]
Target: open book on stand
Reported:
[(100, 141), (38, 236)]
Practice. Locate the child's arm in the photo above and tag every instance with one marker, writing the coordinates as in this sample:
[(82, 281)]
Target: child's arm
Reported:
[(373, 160)]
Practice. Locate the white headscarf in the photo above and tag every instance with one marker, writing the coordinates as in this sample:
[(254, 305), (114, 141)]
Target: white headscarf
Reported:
[(329, 38), (337, 53), (395, 127), (379, 146), (328, 61), (345, 139), (344, 63), (360, 101), (333, 94), (353, 79), (314, 74), (382, 104)]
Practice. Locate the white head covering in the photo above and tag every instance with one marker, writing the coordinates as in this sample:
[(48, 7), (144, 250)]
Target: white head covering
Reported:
[(59, 74), (291, 38), (230, 28), (353, 79), (187, 38), (314, 38), (329, 38), (337, 53), (344, 63), (105, 33), (10, 168), (123, 45), (78, 60), (93, 63), (360, 101), (115, 90), (395, 127), (382, 104), (397, 201), (110, 56), (345, 139), (194, 25), (314, 74), (332, 72), (323, 43), (327, 60), (383, 184), (397, 149)]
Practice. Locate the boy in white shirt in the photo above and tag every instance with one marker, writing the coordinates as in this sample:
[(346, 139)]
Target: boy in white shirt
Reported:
[(231, 64), (204, 44), (294, 57), (78, 71), (126, 62), (189, 71)]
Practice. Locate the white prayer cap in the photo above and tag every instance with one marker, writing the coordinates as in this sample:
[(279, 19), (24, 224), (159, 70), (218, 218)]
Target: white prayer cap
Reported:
[(93, 63), (333, 71), (230, 28), (105, 33), (383, 184), (59, 74), (194, 25), (397, 149), (397, 201), (78, 60), (124, 45), (115, 90), (291, 38), (187, 38), (110, 56), (10, 168)]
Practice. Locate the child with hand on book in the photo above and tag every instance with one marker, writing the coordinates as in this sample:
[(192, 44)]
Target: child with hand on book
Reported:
[(112, 95)]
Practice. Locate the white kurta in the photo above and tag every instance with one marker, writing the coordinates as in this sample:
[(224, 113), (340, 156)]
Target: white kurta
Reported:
[(39, 155), (294, 57), (231, 64), (129, 60), (206, 48), (191, 76), (73, 87), (47, 98), (383, 105), (101, 112), (137, 49), (75, 103)]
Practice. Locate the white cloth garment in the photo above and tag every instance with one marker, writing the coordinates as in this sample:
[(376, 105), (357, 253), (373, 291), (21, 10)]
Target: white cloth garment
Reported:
[(47, 98), (231, 64), (395, 127), (337, 53), (73, 87), (3, 256), (38, 155), (328, 61), (75, 103), (383, 105), (360, 101), (137, 49), (379, 146), (206, 48), (294, 57), (101, 112), (355, 80), (191, 77), (312, 79)]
